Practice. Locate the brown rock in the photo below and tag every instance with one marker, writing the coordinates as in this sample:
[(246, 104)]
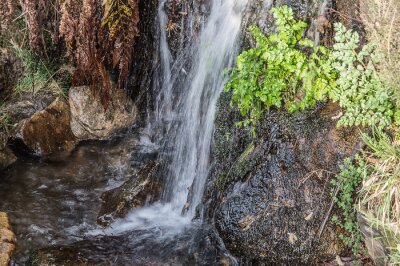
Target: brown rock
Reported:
[(7, 240), (90, 120), (133, 193), (48, 132)]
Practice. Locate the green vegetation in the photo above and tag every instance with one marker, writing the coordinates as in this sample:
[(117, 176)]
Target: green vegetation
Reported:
[(358, 88), (35, 76), (346, 184), (285, 69), (39, 76)]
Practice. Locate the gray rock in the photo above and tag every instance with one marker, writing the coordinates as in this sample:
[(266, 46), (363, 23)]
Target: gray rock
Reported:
[(133, 193), (26, 105), (90, 120)]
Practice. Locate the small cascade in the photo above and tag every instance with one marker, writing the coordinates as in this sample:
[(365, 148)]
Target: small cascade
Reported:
[(186, 107), (192, 133)]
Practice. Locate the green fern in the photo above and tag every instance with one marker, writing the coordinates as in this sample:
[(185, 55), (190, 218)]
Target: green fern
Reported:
[(284, 69), (358, 89)]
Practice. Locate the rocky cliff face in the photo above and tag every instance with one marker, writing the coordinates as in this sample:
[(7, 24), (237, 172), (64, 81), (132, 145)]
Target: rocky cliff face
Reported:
[(269, 196)]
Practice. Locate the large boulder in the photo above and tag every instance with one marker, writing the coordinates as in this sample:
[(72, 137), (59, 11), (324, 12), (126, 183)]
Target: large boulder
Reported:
[(47, 133), (90, 120), (269, 198), (7, 240), (133, 193)]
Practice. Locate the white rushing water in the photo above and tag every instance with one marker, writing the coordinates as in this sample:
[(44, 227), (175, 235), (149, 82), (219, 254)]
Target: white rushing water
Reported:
[(192, 109)]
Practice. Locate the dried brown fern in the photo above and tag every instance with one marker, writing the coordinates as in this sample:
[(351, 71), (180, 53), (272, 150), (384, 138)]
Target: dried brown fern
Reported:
[(100, 38), (7, 8), (122, 18), (99, 35)]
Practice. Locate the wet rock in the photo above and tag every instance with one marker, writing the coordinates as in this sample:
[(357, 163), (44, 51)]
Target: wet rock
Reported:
[(134, 193), (269, 196), (7, 240), (47, 133), (11, 70), (89, 118)]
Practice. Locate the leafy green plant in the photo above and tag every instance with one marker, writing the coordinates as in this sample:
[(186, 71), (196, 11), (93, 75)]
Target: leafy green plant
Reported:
[(358, 88), (347, 182), (284, 69)]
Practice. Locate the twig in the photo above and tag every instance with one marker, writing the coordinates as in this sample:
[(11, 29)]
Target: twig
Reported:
[(328, 214), (343, 15)]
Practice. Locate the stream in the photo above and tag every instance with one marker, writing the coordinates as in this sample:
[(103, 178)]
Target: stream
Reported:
[(56, 203)]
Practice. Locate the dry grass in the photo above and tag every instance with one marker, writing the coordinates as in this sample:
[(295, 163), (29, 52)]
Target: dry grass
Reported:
[(380, 193), (382, 21), (381, 188)]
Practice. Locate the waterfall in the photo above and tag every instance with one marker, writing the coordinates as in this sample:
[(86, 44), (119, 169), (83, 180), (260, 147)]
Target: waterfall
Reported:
[(196, 106), (187, 101)]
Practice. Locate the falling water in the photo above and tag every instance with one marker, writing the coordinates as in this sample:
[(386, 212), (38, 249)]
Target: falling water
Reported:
[(193, 135), (192, 108), (163, 103)]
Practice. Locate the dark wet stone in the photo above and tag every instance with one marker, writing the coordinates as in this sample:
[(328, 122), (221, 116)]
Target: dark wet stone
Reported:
[(268, 197), (133, 193)]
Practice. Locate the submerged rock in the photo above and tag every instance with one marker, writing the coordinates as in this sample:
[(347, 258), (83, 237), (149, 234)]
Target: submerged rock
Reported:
[(47, 133), (7, 240), (90, 120), (133, 193), (270, 197)]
